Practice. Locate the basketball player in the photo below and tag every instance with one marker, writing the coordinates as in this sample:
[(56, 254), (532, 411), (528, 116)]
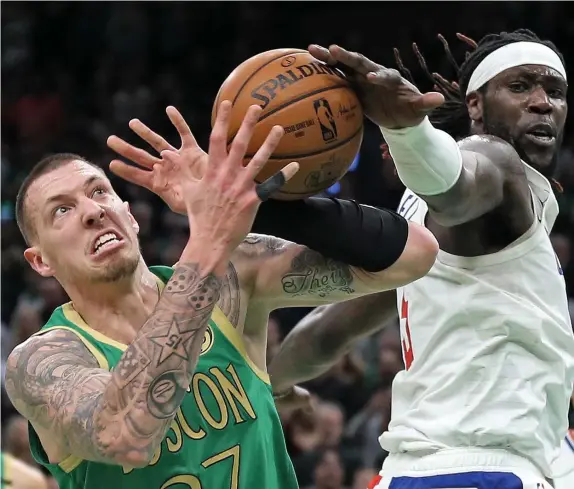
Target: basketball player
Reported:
[(156, 377), (487, 340)]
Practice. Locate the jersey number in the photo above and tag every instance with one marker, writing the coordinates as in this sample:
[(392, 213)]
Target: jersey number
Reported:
[(406, 336), (193, 482)]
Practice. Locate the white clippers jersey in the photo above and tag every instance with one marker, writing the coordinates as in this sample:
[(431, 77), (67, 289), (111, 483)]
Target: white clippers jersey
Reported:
[(563, 468), (488, 346)]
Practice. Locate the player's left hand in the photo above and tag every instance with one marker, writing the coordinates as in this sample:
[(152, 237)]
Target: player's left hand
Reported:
[(298, 399), (388, 99), (160, 175)]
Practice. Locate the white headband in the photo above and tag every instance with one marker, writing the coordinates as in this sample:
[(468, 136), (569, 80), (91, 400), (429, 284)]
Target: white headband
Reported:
[(511, 55)]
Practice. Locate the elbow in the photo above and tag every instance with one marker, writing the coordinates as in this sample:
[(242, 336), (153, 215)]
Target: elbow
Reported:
[(419, 254), (126, 451), (425, 250)]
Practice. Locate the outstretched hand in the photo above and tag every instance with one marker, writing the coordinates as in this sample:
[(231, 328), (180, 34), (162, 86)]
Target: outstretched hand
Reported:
[(221, 204), (161, 176), (388, 99)]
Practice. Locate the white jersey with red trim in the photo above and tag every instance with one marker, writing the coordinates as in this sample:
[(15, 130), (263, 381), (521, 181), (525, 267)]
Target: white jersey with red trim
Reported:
[(563, 468), (488, 347)]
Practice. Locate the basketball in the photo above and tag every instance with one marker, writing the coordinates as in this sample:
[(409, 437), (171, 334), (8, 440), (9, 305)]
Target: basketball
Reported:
[(313, 102)]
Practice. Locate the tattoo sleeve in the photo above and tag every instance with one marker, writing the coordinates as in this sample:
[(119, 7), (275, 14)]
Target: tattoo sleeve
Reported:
[(119, 417)]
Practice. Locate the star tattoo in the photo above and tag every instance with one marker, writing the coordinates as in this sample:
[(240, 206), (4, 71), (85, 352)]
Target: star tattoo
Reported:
[(173, 342)]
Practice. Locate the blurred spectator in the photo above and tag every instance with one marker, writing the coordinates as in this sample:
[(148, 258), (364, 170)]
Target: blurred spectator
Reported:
[(273, 337), (15, 438), (363, 477), (329, 472)]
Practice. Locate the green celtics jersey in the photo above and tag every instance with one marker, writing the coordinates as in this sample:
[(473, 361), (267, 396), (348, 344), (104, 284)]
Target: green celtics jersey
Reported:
[(226, 434)]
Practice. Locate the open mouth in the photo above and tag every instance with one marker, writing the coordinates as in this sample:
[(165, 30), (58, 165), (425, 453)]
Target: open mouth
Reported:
[(105, 242), (542, 135)]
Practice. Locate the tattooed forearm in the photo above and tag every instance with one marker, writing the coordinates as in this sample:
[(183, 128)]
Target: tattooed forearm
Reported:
[(155, 371), (118, 417), (291, 275), (313, 274)]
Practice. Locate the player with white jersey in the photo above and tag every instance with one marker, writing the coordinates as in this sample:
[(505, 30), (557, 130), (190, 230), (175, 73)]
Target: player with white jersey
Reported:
[(487, 339)]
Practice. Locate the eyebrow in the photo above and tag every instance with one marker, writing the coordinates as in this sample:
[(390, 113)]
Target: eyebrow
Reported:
[(531, 76), (87, 183), (61, 197)]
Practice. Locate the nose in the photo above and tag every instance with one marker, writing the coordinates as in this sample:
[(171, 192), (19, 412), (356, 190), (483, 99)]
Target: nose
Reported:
[(93, 214), (539, 102)]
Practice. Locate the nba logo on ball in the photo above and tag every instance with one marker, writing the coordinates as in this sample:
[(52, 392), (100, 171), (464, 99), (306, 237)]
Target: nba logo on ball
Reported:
[(315, 104), (326, 119)]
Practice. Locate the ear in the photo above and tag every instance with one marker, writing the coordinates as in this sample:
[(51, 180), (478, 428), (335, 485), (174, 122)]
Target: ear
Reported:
[(474, 104), (38, 262), (133, 221)]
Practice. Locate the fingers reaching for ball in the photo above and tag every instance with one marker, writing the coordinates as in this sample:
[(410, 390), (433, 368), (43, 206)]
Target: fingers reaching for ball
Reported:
[(230, 164), (271, 185)]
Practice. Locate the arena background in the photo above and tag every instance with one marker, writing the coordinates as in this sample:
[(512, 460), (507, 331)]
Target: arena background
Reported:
[(74, 73)]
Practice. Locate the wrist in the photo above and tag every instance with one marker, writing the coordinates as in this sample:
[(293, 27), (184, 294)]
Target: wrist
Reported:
[(210, 257), (415, 129)]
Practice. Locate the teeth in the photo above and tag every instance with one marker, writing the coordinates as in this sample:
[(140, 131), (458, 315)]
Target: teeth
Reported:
[(540, 135), (106, 239)]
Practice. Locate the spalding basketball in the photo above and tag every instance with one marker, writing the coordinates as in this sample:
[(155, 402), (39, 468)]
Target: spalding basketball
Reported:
[(320, 113)]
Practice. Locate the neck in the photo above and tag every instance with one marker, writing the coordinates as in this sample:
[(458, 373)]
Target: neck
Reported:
[(117, 309)]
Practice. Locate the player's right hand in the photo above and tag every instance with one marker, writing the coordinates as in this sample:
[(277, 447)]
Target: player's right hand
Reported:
[(389, 100), (221, 204)]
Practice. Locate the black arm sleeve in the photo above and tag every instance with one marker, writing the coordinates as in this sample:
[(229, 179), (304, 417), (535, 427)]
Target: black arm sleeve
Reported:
[(362, 236)]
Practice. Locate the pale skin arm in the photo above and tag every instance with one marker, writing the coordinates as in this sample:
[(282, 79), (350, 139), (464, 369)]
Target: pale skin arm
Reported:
[(273, 268), (290, 275), (122, 416)]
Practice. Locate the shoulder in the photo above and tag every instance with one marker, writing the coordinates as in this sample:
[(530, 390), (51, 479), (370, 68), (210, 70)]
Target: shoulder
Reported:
[(41, 354), (496, 151)]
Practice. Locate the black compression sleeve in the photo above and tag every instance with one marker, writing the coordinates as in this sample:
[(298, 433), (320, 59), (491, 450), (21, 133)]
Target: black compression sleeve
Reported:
[(362, 236)]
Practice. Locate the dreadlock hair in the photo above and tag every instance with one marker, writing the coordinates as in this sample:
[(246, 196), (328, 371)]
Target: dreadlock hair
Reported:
[(452, 117)]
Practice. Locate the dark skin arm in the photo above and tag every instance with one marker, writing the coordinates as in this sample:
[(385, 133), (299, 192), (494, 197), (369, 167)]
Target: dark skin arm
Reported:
[(493, 178), (326, 334), (492, 181)]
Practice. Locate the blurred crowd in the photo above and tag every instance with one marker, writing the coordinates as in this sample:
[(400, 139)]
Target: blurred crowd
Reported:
[(74, 73)]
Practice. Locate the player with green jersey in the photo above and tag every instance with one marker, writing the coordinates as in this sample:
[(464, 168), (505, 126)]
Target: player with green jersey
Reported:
[(155, 377), (226, 433)]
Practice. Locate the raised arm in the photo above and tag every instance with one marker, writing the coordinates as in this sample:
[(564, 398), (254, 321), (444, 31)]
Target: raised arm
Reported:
[(122, 417), (484, 174), (117, 417), (459, 182)]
